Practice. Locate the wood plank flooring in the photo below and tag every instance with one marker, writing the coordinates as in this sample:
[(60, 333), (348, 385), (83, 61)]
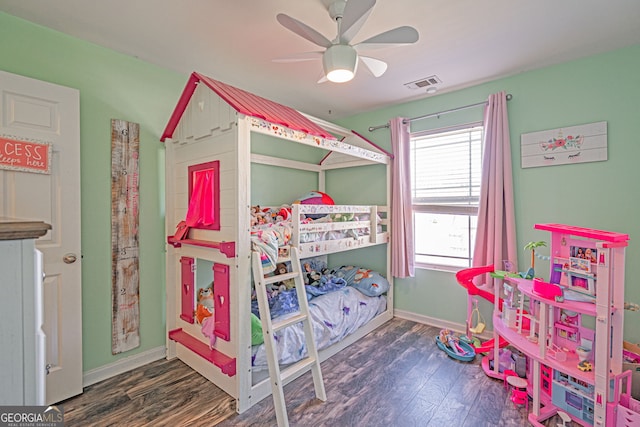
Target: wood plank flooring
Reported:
[(395, 376)]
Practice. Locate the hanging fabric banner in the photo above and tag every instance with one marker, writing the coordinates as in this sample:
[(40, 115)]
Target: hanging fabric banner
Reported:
[(125, 317), (25, 156)]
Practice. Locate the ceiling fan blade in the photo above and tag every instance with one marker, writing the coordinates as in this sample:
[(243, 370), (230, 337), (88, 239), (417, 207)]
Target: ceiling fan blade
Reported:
[(299, 57), (303, 30), (400, 35), (375, 66), (355, 14)]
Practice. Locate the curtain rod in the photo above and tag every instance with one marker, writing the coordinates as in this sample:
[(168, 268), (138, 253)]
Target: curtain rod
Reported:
[(439, 113)]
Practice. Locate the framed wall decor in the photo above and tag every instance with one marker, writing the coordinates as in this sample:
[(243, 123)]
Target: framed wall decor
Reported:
[(574, 144)]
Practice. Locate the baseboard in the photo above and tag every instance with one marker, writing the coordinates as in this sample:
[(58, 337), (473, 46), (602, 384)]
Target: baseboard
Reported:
[(438, 323), (123, 365)]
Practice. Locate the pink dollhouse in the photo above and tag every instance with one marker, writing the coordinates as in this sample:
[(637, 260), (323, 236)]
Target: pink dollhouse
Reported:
[(572, 323)]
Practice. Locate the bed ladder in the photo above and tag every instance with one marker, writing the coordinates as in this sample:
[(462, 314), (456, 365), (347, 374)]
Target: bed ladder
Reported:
[(280, 377)]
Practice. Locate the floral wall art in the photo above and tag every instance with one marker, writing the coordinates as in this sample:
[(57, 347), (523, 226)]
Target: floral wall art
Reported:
[(574, 144)]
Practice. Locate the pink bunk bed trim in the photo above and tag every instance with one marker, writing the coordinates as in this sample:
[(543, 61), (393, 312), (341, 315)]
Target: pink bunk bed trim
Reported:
[(607, 236), (226, 364), (244, 103), (226, 248)]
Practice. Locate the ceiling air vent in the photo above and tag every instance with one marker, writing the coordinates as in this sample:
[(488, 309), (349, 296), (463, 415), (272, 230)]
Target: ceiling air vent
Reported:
[(424, 83)]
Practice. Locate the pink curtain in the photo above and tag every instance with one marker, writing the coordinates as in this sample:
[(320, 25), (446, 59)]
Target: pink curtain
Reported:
[(200, 211), (496, 235), (402, 250)]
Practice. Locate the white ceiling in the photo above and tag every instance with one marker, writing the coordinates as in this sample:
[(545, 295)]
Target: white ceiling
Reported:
[(463, 42)]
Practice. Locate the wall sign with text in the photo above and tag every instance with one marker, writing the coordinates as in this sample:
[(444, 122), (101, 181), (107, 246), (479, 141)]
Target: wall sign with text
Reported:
[(25, 156), (573, 144)]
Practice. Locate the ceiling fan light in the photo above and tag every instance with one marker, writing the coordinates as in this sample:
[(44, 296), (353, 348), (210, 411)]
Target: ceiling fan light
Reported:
[(339, 62), (340, 76)]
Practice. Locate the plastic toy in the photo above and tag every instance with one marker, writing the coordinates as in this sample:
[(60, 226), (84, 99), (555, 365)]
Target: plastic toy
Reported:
[(465, 279), (480, 325), (454, 347), (548, 290), (531, 246), (585, 366)]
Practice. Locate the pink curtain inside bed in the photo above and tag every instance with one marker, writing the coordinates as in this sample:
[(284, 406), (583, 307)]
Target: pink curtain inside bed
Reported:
[(496, 234), (402, 249), (200, 211)]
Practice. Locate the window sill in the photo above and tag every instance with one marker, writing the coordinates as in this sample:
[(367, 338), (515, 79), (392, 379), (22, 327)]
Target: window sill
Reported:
[(442, 268)]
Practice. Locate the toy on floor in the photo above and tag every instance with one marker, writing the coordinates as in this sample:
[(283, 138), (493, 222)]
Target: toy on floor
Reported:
[(465, 279), (448, 342)]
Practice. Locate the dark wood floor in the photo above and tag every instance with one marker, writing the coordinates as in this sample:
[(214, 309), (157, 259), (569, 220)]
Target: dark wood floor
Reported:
[(395, 376)]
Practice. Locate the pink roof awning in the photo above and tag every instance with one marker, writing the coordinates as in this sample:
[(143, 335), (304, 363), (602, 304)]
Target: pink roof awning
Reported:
[(245, 103)]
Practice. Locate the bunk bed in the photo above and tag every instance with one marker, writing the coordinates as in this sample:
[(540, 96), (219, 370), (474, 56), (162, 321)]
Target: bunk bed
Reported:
[(221, 142)]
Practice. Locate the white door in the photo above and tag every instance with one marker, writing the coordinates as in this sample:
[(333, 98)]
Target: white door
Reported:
[(36, 111)]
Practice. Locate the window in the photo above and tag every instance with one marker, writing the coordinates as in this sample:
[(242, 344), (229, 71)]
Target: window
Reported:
[(204, 196), (445, 181)]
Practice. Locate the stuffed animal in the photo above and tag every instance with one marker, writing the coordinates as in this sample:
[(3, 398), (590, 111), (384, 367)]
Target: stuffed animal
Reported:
[(273, 289), (258, 215), (342, 217), (204, 308), (283, 214), (281, 268)]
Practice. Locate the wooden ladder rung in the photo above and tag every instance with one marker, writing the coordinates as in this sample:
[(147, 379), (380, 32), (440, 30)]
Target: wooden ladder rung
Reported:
[(296, 369), (288, 322), (280, 277)]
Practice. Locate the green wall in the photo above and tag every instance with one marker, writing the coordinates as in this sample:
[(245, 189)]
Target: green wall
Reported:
[(116, 86), (600, 195), (604, 87)]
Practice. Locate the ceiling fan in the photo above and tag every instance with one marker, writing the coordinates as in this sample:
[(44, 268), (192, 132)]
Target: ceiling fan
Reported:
[(340, 58)]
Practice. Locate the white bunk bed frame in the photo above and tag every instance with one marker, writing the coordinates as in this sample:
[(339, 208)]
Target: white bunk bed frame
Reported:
[(206, 127)]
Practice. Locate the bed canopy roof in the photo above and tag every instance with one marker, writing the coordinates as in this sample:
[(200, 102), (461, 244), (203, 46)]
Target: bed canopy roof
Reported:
[(245, 103), (255, 106)]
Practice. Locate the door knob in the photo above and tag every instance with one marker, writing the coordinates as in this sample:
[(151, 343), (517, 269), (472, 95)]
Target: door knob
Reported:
[(69, 258)]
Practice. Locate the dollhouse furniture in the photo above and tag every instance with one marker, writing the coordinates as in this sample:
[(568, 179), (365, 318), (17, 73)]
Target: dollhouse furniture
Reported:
[(22, 359), (572, 318), (216, 138)]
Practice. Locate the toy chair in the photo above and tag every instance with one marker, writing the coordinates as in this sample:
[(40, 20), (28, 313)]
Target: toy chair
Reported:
[(508, 373), (565, 419), (520, 397), (518, 385)]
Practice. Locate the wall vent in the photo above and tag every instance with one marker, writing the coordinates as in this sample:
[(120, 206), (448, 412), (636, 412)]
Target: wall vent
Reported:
[(424, 83)]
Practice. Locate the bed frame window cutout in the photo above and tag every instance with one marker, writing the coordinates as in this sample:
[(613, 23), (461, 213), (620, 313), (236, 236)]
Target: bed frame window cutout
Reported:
[(204, 196)]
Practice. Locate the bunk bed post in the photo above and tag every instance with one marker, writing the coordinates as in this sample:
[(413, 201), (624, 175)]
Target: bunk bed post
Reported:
[(171, 273), (242, 288), (387, 222), (295, 235), (322, 181)]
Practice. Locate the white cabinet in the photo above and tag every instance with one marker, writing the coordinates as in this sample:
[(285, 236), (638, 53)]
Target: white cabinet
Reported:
[(22, 341)]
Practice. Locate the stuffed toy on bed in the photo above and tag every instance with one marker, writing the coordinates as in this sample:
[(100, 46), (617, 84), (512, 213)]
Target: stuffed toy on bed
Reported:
[(204, 308), (281, 268)]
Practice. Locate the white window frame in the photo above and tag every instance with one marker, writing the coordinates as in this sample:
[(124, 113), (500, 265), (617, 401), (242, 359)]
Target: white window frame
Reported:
[(443, 207)]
